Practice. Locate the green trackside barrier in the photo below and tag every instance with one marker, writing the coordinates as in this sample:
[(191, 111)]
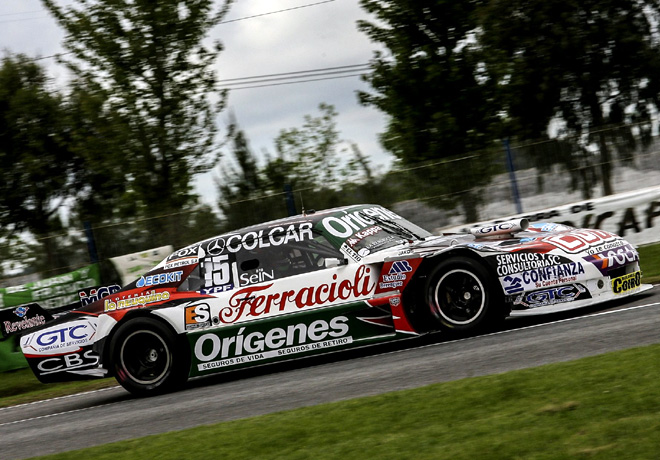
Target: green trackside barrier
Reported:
[(11, 357), (48, 293)]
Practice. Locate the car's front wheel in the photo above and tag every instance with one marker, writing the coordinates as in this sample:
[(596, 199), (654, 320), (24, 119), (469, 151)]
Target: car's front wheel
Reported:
[(462, 296), (145, 357)]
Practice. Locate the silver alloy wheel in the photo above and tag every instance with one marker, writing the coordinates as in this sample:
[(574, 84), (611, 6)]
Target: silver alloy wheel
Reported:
[(459, 297), (145, 357)]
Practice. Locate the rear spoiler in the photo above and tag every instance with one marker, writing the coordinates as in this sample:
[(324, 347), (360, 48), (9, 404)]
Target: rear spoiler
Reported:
[(16, 320)]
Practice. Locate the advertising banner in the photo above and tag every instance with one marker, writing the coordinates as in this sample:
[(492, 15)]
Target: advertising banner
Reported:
[(633, 215), (54, 292), (131, 266)]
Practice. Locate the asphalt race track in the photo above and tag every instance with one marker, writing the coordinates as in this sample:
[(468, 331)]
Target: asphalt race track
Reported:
[(113, 414)]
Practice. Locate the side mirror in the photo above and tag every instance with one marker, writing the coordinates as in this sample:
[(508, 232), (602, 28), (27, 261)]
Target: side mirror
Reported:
[(334, 262)]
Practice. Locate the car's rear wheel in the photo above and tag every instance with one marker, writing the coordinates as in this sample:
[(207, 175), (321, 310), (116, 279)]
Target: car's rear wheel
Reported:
[(463, 297), (146, 359)]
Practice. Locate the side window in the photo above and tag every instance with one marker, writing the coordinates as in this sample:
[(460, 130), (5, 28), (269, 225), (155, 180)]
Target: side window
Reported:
[(271, 262), (193, 282)]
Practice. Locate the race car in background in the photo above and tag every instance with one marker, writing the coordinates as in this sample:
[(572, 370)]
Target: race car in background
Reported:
[(322, 282)]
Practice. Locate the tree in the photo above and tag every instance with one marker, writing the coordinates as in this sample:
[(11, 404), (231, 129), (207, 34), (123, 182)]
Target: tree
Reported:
[(146, 62), (428, 81), (590, 66), (98, 136), (308, 162), (38, 167), (244, 196), (311, 150)]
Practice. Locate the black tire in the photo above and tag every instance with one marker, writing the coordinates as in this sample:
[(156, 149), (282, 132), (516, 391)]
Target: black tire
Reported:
[(463, 297), (147, 359)]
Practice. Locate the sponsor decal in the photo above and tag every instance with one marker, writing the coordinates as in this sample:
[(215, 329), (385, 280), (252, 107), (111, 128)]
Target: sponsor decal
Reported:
[(258, 276), (543, 277), (581, 240), (346, 226), (161, 278), (197, 316), (11, 326), (246, 346), (359, 236), (67, 362), (346, 249), (552, 296), (276, 236), (88, 296), (626, 283), (517, 262), (216, 247), (396, 276), (181, 263), (513, 284), (188, 252), (138, 300), (604, 247), (494, 229), (257, 301), (69, 336), (614, 258), (217, 289)]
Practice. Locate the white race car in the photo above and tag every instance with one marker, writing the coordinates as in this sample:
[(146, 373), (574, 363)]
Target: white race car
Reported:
[(321, 282)]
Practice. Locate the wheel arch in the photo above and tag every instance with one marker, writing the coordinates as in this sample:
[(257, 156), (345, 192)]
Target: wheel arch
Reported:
[(104, 349), (414, 294)]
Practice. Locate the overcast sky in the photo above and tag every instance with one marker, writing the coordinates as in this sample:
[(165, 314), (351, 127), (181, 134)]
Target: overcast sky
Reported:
[(312, 34)]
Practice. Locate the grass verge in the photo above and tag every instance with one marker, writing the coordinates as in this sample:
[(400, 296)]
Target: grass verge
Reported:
[(21, 386), (649, 257), (604, 407)]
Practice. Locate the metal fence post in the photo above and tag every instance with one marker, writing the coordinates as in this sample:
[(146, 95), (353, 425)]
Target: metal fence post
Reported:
[(512, 176)]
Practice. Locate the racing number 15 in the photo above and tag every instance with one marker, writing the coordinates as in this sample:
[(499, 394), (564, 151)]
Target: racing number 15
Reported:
[(219, 271)]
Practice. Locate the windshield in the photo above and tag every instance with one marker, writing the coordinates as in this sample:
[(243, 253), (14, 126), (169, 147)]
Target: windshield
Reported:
[(363, 230)]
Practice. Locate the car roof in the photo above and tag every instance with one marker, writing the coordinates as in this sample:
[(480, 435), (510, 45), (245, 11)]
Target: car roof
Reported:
[(311, 217), (308, 216)]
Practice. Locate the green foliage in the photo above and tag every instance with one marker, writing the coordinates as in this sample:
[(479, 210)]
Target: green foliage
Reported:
[(311, 151), (146, 66), (37, 173), (310, 162), (429, 82), (100, 140), (246, 196), (36, 162), (456, 76), (590, 65)]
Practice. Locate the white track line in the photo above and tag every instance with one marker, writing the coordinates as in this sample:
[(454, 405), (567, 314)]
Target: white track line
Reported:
[(636, 307), (58, 398)]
